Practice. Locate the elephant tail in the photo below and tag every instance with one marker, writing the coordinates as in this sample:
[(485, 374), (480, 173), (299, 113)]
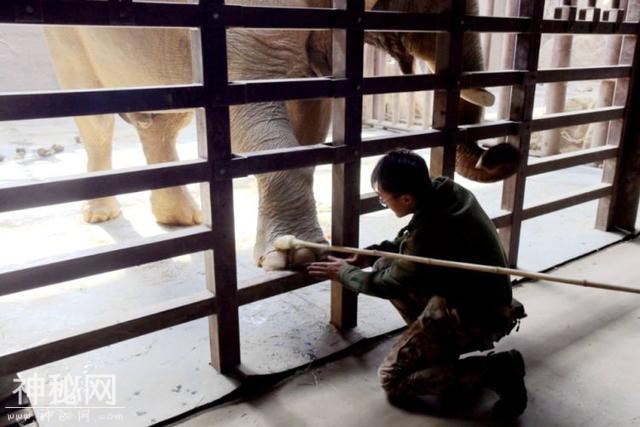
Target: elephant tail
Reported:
[(487, 165)]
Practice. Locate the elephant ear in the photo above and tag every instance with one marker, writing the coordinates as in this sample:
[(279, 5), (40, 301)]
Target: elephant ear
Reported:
[(319, 52)]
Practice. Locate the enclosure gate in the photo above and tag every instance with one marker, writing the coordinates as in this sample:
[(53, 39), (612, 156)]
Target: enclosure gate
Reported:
[(218, 166)]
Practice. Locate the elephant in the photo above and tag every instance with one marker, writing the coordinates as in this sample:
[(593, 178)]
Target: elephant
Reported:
[(97, 57)]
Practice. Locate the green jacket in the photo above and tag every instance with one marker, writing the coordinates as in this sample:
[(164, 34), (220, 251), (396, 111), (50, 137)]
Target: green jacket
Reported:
[(449, 225)]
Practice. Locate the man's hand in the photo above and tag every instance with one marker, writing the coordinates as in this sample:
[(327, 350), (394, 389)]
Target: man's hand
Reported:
[(328, 269)]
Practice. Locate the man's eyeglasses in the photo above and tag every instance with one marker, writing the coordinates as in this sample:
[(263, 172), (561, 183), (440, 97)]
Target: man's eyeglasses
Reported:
[(382, 202)]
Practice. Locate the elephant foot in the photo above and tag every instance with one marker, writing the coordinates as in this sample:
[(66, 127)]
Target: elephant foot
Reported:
[(281, 260), (270, 259), (100, 210), (175, 206)]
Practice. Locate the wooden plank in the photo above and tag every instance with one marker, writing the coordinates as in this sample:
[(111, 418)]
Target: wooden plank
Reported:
[(101, 184), (489, 130), (413, 83), (289, 158), (253, 91), (567, 201), (552, 26), (283, 17), (150, 319), (522, 100), (153, 318), (82, 12), (272, 284), (347, 127), (491, 78), (413, 141), (405, 22), (106, 258), (98, 101), (370, 203), (220, 264), (496, 24), (590, 73), (552, 121), (567, 160)]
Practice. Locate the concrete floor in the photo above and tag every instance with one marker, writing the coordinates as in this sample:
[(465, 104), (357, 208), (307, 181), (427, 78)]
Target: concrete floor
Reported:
[(580, 347)]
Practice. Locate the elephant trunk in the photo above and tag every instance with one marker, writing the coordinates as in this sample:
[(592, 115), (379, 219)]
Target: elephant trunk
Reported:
[(477, 163), (473, 161)]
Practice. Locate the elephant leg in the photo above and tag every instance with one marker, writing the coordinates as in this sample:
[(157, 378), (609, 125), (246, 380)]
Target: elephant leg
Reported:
[(286, 207), (96, 133), (158, 132), (310, 120), (286, 201)]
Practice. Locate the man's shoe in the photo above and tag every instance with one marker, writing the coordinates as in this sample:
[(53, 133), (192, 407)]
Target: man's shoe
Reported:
[(506, 377)]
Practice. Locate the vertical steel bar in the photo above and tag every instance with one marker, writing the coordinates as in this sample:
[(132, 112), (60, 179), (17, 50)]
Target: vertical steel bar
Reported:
[(623, 205), (522, 102), (347, 128), (445, 104), (221, 261)]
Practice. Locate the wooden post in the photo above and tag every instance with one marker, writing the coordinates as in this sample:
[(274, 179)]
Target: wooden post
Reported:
[(605, 99), (367, 103), (556, 93), (604, 217), (220, 262), (347, 128), (613, 47), (379, 63), (620, 210), (427, 100), (522, 99)]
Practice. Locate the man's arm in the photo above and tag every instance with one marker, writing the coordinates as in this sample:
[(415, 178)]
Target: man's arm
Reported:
[(389, 283)]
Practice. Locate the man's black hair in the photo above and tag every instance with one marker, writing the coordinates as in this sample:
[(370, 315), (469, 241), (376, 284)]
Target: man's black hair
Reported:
[(402, 172)]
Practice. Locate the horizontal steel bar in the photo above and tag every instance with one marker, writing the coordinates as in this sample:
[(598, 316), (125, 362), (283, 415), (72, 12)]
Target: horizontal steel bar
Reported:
[(155, 318), (399, 21), (556, 204), (369, 203), (26, 106), (591, 73), (491, 78), (272, 284), (82, 12), (488, 130), (558, 120), (289, 158), (497, 24), (567, 160), (582, 27), (251, 91), (503, 220), (412, 141), (283, 17), (102, 184), (392, 84), (107, 258)]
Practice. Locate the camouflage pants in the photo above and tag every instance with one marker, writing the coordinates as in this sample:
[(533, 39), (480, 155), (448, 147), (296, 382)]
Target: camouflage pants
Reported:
[(426, 359)]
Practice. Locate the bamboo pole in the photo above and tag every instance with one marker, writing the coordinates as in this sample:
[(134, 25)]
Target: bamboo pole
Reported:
[(296, 243)]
